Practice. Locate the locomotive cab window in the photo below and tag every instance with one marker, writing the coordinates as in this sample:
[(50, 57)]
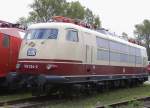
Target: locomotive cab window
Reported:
[(5, 41), (50, 33), (72, 35)]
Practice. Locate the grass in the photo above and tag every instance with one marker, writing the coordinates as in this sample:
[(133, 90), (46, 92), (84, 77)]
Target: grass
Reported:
[(90, 101), (14, 96), (103, 98)]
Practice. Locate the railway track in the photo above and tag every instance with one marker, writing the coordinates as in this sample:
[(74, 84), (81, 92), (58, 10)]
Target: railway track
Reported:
[(32, 102), (145, 103), (44, 101)]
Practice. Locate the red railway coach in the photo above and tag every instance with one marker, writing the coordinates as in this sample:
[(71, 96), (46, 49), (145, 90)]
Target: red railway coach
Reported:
[(63, 53), (10, 41)]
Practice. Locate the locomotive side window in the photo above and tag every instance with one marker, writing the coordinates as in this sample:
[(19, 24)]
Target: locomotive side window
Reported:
[(102, 43), (124, 48), (102, 50), (138, 56), (6, 41), (124, 58), (114, 56), (131, 59), (138, 52), (114, 46), (41, 34), (132, 51), (72, 36), (138, 60), (103, 55)]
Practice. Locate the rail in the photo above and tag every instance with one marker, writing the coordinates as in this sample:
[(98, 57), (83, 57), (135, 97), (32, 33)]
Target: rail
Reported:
[(28, 102), (145, 100)]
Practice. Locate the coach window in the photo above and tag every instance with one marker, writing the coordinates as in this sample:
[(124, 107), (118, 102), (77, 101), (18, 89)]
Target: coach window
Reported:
[(5, 41), (72, 35)]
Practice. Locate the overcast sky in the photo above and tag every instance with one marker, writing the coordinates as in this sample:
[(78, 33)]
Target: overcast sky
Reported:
[(116, 15)]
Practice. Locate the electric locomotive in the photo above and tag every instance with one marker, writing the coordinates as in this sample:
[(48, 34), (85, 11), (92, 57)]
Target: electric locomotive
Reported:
[(59, 53), (10, 41)]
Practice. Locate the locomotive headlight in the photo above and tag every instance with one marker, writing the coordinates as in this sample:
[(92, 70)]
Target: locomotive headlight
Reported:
[(51, 66), (18, 66)]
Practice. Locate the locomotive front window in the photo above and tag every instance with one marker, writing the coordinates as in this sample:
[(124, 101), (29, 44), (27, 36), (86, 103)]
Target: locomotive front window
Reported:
[(41, 34)]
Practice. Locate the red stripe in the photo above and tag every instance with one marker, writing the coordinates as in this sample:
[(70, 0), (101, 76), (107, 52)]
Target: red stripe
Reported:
[(51, 60), (79, 69)]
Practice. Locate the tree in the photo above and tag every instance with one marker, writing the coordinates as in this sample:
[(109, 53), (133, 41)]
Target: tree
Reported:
[(43, 10), (124, 35), (24, 22), (90, 18), (143, 33), (97, 21), (75, 10)]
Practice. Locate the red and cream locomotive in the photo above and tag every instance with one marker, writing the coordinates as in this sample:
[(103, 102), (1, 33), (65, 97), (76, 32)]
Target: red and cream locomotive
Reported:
[(58, 53), (10, 41)]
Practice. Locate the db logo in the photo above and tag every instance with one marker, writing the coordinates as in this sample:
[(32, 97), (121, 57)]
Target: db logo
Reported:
[(31, 52)]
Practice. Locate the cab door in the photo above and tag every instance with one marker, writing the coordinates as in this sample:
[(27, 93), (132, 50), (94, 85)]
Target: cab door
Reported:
[(72, 49), (89, 44), (4, 54), (88, 54)]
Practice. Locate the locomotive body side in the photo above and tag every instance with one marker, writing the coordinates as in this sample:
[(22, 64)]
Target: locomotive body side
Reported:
[(58, 53)]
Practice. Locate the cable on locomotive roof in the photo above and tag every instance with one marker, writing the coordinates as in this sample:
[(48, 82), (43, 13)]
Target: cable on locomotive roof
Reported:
[(4, 24)]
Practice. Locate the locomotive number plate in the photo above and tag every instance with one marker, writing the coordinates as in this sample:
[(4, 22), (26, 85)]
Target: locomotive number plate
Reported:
[(30, 66), (31, 52)]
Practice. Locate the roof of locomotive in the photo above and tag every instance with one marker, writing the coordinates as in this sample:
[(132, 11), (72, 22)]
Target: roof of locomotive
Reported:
[(15, 32), (70, 25)]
